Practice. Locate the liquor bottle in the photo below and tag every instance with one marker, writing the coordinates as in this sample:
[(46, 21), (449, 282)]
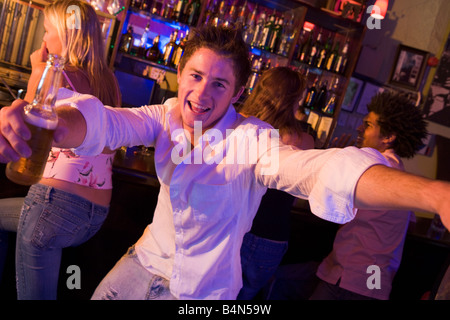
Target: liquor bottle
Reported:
[(266, 33), (157, 7), (193, 12), (258, 29), (219, 17), (306, 47), (333, 57), (250, 27), (231, 15), (321, 99), (153, 53), (127, 40), (323, 54), (180, 50), (169, 9), (210, 10), (143, 43), (254, 76), (136, 4), (341, 61), (146, 5), (240, 20), (311, 96), (330, 105), (170, 49), (41, 119), (314, 49), (275, 36), (287, 37), (180, 10)]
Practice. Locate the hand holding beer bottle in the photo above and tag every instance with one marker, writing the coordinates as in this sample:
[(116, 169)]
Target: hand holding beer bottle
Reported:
[(41, 118)]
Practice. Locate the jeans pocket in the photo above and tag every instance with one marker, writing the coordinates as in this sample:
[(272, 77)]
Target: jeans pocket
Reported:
[(55, 228), (97, 219)]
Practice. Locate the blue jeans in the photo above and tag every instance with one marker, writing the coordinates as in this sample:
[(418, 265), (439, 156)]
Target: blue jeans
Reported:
[(9, 220), (129, 280), (259, 259), (50, 220)]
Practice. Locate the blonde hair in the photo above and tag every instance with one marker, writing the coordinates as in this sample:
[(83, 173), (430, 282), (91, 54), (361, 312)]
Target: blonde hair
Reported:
[(83, 46)]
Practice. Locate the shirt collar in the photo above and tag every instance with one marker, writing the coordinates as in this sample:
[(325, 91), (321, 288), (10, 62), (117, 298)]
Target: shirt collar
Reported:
[(174, 120)]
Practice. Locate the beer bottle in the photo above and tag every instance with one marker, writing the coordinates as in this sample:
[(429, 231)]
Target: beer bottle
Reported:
[(41, 119)]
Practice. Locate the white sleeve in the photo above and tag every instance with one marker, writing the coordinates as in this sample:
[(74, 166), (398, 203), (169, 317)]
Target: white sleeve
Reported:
[(327, 178), (114, 127), (93, 112)]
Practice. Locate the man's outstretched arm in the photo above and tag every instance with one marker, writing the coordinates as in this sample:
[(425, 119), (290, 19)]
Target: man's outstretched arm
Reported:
[(384, 187)]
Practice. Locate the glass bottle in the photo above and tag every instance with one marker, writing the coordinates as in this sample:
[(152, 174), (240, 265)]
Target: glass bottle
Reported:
[(249, 28), (143, 43), (323, 54), (333, 57), (341, 61), (304, 52), (330, 106), (179, 50), (41, 118), (287, 36), (266, 33), (180, 10), (193, 12), (275, 37), (170, 49), (126, 42), (153, 53), (258, 29)]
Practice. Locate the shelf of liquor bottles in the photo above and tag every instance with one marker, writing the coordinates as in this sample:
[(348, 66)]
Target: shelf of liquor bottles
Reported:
[(320, 45)]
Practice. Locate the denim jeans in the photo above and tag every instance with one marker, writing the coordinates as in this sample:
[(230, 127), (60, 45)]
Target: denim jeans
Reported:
[(328, 291), (51, 220), (9, 220), (129, 280), (259, 259)]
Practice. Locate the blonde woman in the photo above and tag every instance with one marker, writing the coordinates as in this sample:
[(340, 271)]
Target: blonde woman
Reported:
[(70, 203)]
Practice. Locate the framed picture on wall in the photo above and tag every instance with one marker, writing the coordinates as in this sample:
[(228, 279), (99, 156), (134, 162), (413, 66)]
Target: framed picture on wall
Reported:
[(354, 88), (409, 66)]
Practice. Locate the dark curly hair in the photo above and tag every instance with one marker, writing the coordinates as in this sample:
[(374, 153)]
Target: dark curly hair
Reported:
[(397, 115), (225, 41)]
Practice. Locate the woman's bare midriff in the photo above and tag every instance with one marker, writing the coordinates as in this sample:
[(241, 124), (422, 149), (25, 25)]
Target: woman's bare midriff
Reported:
[(97, 196)]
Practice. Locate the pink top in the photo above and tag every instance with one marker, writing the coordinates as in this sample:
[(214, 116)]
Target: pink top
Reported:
[(94, 172), (63, 164), (373, 238)]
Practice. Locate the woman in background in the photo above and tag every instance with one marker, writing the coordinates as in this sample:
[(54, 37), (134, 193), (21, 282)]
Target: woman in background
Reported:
[(70, 203), (275, 100)]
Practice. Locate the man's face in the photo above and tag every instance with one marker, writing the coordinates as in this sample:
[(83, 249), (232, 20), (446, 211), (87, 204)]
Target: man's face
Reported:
[(369, 134), (206, 87)]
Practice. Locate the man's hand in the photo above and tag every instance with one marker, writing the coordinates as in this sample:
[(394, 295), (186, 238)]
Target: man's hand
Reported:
[(13, 133), (343, 141)]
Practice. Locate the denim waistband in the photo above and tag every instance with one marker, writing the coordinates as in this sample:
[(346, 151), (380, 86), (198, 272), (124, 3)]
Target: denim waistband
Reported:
[(47, 193)]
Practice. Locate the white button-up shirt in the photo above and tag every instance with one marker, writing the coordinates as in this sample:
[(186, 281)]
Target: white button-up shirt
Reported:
[(205, 208)]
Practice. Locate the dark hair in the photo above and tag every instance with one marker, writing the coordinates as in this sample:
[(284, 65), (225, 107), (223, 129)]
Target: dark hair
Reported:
[(225, 41), (275, 97), (398, 115)]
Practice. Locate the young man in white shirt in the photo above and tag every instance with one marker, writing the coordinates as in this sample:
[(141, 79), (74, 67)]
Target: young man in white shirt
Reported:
[(214, 165)]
